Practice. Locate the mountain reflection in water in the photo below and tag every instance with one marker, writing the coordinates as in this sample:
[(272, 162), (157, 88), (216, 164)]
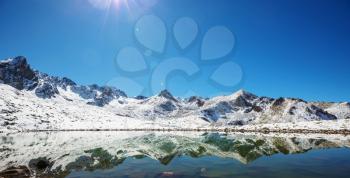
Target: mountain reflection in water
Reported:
[(170, 154)]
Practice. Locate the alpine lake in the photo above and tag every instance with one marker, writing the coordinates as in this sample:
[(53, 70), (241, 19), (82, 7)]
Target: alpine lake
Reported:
[(142, 154)]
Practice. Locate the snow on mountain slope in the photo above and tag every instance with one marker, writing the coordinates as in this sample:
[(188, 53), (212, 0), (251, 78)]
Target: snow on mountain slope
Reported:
[(23, 110), (340, 110), (243, 108), (30, 99)]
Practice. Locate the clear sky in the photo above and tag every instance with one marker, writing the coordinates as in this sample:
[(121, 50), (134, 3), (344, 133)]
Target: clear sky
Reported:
[(295, 48)]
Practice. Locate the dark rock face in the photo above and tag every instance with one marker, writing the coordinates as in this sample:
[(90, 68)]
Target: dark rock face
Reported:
[(292, 110), (198, 100), (140, 97), (257, 108), (278, 102), (17, 73), (246, 95), (68, 81), (168, 106), (298, 100), (167, 94), (241, 102), (107, 94), (219, 110), (46, 90), (210, 114), (20, 171), (238, 123), (40, 165), (105, 97), (321, 113)]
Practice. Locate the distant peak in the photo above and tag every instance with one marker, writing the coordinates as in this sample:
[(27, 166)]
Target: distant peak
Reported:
[(240, 92), (244, 94), (166, 94)]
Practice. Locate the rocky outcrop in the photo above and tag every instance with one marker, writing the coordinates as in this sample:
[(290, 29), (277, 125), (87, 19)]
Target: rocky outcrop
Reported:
[(197, 100), (107, 94), (17, 73), (46, 90)]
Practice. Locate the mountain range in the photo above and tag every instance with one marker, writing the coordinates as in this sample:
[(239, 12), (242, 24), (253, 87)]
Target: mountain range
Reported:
[(30, 100)]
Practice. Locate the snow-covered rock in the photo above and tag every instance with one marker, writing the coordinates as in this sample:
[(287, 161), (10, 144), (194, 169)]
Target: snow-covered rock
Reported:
[(17, 73), (243, 108), (340, 110)]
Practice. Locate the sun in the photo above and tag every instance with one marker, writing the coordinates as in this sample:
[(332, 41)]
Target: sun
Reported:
[(117, 4), (108, 4)]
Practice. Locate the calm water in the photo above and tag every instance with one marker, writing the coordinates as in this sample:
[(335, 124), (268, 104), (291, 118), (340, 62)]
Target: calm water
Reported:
[(176, 154)]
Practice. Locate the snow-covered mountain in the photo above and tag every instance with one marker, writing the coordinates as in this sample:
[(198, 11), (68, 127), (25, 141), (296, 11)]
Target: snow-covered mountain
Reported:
[(30, 99)]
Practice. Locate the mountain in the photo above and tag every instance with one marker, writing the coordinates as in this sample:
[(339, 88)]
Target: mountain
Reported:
[(30, 99), (17, 73), (243, 108)]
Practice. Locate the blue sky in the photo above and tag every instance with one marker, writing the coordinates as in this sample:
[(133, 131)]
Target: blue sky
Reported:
[(295, 48)]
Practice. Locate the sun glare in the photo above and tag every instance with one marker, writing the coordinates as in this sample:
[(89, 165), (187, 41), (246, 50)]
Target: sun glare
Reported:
[(109, 4), (118, 4)]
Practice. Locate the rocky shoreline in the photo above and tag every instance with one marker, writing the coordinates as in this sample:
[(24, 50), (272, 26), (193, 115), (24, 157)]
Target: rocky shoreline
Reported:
[(231, 130)]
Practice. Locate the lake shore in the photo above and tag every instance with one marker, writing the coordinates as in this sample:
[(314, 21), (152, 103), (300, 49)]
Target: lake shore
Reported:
[(263, 130)]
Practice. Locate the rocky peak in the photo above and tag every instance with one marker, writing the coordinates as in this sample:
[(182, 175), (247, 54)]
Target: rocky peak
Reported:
[(166, 94), (244, 94), (17, 73), (66, 81)]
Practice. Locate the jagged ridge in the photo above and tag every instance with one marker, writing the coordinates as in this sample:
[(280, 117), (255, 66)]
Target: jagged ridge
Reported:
[(239, 108), (17, 73)]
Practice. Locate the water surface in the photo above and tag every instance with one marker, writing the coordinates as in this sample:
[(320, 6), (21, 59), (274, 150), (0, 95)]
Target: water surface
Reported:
[(173, 154)]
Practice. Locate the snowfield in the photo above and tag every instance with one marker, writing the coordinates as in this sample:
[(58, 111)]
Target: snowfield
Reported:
[(31, 101), (23, 111)]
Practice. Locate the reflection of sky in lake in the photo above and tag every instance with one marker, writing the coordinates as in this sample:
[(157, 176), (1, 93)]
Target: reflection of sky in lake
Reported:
[(179, 154), (316, 163)]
